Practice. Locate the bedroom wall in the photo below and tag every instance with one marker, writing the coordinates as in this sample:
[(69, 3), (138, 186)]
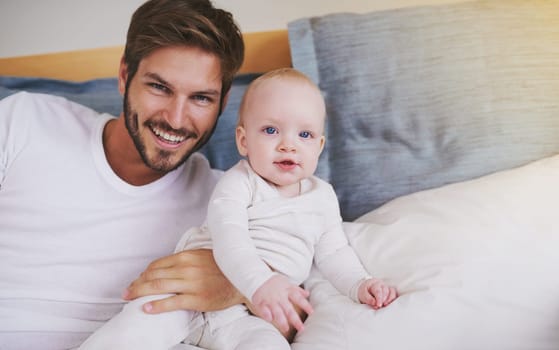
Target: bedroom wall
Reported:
[(32, 27)]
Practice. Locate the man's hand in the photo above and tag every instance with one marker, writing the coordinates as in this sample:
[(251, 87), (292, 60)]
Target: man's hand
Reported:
[(195, 279), (376, 293), (275, 302)]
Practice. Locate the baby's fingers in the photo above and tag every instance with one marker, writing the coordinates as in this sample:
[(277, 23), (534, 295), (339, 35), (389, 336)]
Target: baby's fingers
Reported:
[(392, 295), (379, 292), (265, 313), (280, 317), (293, 318), (369, 299), (298, 297)]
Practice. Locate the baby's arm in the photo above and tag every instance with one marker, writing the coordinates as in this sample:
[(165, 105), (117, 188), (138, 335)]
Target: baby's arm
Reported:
[(271, 294), (234, 250), (339, 263)]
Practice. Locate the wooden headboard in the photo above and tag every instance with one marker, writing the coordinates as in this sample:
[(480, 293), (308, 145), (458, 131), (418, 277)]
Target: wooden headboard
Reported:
[(264, 51)]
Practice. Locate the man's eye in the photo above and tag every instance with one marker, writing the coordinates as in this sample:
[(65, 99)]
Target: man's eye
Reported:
[(305, 134), (270, 130), (202, 98), (159, 87)]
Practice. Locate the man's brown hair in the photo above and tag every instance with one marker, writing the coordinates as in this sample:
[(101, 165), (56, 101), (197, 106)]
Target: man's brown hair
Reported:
[(190, 23)]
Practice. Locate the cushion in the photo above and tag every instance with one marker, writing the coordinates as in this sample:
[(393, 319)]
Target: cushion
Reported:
[(103, 96), (475, 263), (424, 96), (98, 94)]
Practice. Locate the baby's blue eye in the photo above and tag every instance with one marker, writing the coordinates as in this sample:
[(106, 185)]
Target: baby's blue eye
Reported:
[(305, 134), (270, 130)]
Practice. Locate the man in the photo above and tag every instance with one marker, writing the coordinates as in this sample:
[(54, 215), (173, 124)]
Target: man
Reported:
[(87, 201)]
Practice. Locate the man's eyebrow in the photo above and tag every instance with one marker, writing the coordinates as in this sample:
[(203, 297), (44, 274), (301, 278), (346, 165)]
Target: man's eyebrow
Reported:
[(211, 92), (158, 78)]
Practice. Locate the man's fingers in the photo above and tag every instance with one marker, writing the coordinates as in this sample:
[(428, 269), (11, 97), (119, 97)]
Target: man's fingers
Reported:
[(160, 286), (178, 273), (164, 262), (186, 300), (172, 303), (175, 272), (188, 258)]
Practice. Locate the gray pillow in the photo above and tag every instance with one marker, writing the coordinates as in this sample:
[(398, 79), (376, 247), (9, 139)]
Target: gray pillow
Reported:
[(102, 95), (425, 96)]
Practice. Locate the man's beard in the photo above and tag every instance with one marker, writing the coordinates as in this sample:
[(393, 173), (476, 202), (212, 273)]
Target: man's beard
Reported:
[(162, 162)]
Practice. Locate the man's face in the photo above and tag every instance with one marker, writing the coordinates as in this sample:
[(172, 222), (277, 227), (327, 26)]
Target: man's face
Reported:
[(172, 104)]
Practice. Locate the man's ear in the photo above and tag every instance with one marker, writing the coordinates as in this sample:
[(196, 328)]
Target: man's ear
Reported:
[(122, 76), (322, 142), (240, 138), (224, 102)]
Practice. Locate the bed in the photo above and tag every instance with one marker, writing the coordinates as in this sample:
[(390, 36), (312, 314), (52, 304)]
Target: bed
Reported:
[(442, 142)]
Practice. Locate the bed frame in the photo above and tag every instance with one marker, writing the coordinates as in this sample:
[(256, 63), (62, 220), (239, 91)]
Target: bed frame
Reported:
[(263, 51)]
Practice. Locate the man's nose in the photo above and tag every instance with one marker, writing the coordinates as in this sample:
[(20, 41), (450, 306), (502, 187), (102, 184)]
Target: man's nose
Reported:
[(177, 113)]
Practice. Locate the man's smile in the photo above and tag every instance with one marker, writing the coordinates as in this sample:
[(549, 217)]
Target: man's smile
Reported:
[(166, 136)]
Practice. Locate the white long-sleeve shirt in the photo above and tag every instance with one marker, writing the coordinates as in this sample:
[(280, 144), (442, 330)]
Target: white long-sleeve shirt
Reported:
[(254, 228)]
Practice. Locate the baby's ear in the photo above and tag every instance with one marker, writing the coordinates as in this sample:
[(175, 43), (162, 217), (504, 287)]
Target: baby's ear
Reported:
[(322, 142), (240, 137)]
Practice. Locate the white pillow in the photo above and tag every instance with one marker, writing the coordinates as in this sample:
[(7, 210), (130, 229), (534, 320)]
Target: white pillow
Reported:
[(475, 262)]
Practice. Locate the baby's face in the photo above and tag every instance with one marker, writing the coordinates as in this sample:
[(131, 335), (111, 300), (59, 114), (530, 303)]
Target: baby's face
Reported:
[(282, 132)]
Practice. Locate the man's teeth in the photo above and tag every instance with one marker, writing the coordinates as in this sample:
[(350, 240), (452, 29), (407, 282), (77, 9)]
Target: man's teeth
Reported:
[(168, 137)]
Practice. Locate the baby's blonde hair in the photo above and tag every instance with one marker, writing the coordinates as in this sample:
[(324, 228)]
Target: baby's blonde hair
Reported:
[(280, 73)]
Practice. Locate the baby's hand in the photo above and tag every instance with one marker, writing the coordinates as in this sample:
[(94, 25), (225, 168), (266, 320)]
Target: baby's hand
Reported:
[(274, 301), (376, 293)]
